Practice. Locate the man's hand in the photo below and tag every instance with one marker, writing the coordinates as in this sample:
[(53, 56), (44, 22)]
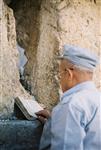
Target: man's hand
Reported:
[(43, 115)]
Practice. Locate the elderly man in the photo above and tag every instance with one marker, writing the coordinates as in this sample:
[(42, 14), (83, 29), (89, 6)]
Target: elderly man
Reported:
[(74, 123)]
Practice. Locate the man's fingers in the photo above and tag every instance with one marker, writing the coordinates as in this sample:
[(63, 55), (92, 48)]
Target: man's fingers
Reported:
[(41, 112), (44, 113), (42, 119)]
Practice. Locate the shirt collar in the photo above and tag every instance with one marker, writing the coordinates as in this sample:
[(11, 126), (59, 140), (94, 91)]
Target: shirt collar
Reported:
[(78, 87)]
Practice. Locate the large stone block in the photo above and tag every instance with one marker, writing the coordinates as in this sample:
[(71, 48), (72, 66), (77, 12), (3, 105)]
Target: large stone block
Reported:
[(41, 46), (10, 86), (20, 135)]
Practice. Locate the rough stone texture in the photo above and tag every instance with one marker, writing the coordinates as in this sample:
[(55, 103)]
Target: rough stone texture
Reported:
[(79, 24), (74, 22), (41, 46), (27, 28), (20, 135), (42, 27), (45, 86), (10, 86)]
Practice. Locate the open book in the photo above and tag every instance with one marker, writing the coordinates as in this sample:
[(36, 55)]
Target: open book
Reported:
[(28, 107)]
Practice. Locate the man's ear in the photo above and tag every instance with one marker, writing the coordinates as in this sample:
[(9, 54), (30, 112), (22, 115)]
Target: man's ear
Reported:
[(70, 73)]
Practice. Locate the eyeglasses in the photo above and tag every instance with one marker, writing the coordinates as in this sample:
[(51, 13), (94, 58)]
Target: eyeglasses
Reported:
[(65, 70)]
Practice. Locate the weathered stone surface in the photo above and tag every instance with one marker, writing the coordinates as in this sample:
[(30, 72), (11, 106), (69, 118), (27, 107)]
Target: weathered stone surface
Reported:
[(74, 22), (20, 135), (45, 86), (10, 86), (42, 28), (40, 44), (79, 24)]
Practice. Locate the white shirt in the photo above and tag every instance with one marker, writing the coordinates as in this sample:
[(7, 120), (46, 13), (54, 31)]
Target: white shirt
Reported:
[(75, 123)]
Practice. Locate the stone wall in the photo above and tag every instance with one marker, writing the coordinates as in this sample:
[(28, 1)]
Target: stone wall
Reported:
[(36, 27), (41, 28), (20, 135), (45, 86), (79, 24), (10, 86)]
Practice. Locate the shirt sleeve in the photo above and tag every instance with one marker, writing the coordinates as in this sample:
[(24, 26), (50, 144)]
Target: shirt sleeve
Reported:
[(45, 141), (68, 129)]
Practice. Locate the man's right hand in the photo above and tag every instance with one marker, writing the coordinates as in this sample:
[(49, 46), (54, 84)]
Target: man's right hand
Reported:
[(43, 115)]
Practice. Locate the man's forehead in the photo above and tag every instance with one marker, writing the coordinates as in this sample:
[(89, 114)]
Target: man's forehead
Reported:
[(65, 61)]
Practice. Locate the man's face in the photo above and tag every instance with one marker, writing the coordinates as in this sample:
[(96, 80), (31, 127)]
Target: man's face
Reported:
[(64, 75)]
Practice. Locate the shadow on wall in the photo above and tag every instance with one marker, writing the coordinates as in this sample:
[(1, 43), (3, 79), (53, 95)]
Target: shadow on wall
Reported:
[(27, 31), (36, 30), (21, 65)]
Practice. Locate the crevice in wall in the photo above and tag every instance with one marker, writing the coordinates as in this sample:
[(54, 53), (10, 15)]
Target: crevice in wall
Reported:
[(21, 65), (26, 15), (36, 35)]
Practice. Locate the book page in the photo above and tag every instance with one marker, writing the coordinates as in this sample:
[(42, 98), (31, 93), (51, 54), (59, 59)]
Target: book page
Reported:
[(31, 106)]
